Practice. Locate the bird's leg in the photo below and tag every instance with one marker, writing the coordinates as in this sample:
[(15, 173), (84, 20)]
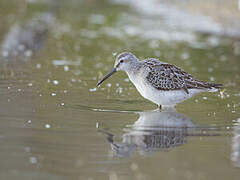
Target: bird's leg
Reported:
[(160, 107)]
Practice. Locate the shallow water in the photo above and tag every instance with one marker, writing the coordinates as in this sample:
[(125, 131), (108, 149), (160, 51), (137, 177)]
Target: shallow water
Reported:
[(55, 124)]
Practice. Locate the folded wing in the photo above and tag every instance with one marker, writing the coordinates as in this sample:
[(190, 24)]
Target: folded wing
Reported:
[(169, 77)]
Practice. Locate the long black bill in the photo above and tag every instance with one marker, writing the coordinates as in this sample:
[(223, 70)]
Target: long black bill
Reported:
[(107, 76)]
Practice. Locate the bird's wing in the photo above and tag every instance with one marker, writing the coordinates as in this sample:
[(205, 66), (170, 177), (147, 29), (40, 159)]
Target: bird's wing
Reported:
[(165, 76)]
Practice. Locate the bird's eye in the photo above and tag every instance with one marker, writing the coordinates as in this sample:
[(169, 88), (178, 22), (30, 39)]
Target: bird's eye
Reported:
[(121, 61)]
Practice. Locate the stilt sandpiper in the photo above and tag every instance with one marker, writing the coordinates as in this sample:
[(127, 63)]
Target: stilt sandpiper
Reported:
[(162, 83)]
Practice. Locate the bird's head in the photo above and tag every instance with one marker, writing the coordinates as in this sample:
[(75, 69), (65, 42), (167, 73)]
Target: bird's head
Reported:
[(122, 63)]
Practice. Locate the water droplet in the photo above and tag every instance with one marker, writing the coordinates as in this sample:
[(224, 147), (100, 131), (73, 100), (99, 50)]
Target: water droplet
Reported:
[(212, 79), (55, 82), (38, 66), (114, 53), (66, 68), (108, 84), (73, 80), (221, 94), (53, 94), (97, 125), (47, 126), (119, 90), (92, 89)]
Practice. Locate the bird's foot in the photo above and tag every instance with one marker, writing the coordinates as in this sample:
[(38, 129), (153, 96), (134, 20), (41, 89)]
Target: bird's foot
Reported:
[(165, 108)]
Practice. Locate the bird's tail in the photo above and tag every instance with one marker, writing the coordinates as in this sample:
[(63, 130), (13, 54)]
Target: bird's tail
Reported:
[(213, 87)]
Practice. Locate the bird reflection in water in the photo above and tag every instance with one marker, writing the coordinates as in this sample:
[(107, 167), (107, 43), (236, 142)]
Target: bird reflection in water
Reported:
[(155, 131)]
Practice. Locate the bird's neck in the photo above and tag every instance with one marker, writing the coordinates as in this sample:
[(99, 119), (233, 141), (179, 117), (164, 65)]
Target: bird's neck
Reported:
[(133, 69)]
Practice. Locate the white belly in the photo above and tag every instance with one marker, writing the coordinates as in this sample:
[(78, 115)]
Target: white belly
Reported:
[(160, 97)]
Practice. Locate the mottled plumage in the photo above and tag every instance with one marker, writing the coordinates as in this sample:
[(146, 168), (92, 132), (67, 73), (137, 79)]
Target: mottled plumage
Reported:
[(163, 76), (159, 82)]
